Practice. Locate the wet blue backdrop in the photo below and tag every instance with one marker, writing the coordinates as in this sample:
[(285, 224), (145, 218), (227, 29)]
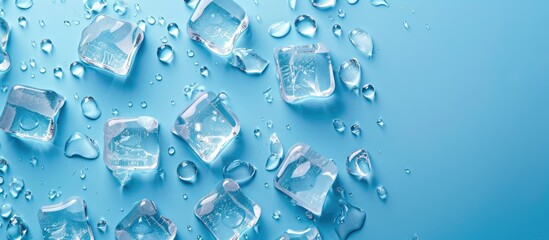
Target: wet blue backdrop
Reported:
[(464, 104)]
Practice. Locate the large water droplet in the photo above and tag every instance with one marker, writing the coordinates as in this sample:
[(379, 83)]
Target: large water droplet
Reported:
[(368, 92), (16, 229), (165, 53), (24, 4), (5, 62), (377, 3), (349, 73), (77, 69), (339, 125), (348, 220), (80, 145), (173, 29), (28, 122), (90, 109), (120, 7), (280, 29), (323, 3), (305, 25), (187, 171), (240, 171), (362, 41), (352, 2), (94, 5), (359, 165)]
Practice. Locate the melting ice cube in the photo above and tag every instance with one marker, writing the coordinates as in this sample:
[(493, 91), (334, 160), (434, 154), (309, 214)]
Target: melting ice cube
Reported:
[(310, 233), (217, 24), (31, 113), (306, 177), (110, 44), (207, 125), (248, 61), (131, 145), (144, 222), (65, 220), (227, 212), (304, 71)]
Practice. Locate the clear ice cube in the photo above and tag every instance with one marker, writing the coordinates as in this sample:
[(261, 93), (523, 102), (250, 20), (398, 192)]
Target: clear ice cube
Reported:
[(306, 177), (248, 61), (110, 44), (145, 222), (227, 212), (207, 125), (31, 113), (310, 233), (217, 24), (131, 145), (304, 71), (65, 220)]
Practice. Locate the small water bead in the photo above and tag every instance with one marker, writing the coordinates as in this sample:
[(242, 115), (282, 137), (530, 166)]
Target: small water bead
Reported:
[(82, 175), (33, 161), (46, 45), (171, 150), (24, 4), (280, 29), (76, 22), (362, 41), (337, 30), (204, 72), (339, 125), (94, 5), (151, 20), (258, 18), (380, 122), (323, 3), (428, 27), (381, 192), (407, 171), (352, 2), (161, 21), (75, 95), (369, 92), (77, 69), (58, 72), (240, 171), (305, 25), (195, 63), (115, 112), (53, 194), (185, 196), (102, 225), (222, 96), (165, 53), (341, 13), (130, 104), (173, 29), (405, 23), (22, 22), (137, 7), (143, 104), (87, 15), (67, 23), (28, 195), (378, 3), (257, 132), (187, 171), (292, 4), (89, 107), (42, 70), (190, 53), (41, 23), (158, 77), (276, 215), (120, 7), (350, 73), (5, 210), (141, 24), (32, 62), (23, 66), (164, 39), (355, 129)]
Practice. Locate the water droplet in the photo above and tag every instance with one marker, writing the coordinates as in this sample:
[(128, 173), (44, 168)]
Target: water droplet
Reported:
[(407, 171), (359, 165), (339, 125), (5, 210), (75, 95), (257, 132), (323, 3), (341, 13), (90, 109), (276, 146), (41, 23), (42, 70), (362, 41), (28, 195), (280, 29), (171, 150), (77, 69), (269, 124), (23, 66), (276, 215), (80, 145), (115, 112), (46, 45), (355, 129), (258, 18), (405, 23), (143, 104), (28, 122), (377, 3), (288, 127), (380, 122), (33, 161), (415, 237), (292, 4), (161, 21), (164, 39), (187, 171), (82, 175), (240, 171), (120, 7), (102, 225), (185, 196), (348, 220), (94, 5), (336, 30), (352, 2), (22, 21), (222, 96), (137, 7), (173, 29), (16, 229), (349, 73), (53, 194), (16, 186), (204, 71), (381, 192), (58, 72), (428, 27), (151, 20), (190, 53), (3, 166), (368, 92), (130, 104), (24, 4), (305, 25), (165, 53), (67, 23)]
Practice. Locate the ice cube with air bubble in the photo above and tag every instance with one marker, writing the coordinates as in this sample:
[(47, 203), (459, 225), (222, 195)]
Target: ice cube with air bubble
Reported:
[(144, 222), (65, 220)]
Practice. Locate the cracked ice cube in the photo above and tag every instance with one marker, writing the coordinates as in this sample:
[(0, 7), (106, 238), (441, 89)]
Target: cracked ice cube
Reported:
[(304, 72), (144, 222), (65, 220), (207, 125), (131, 145), (306, 177), (110, 44), (31, 113), (217, 24), (227, 212)]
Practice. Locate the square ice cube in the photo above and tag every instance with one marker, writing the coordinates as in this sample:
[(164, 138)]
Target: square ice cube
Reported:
[(31, 113), (306, 177), (217, 24), (110, 44), (227, 212), (145, 222), (131, 145), (207, 125), (304, 71), (65, 220)]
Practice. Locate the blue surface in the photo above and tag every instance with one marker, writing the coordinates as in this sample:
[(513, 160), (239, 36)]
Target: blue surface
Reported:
[(465, 107)]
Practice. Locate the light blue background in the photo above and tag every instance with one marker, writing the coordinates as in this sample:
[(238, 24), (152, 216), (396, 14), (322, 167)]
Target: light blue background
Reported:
[(465, 107)]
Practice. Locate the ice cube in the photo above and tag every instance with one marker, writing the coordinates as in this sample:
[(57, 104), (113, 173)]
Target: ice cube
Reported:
[(207, 125), (217, 24), (306, 177), (227, 212), (31, 113), (310, 233), (65, 220), (110, 44), (144, 222), (131, 145), (248, 61), (304, 71)]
